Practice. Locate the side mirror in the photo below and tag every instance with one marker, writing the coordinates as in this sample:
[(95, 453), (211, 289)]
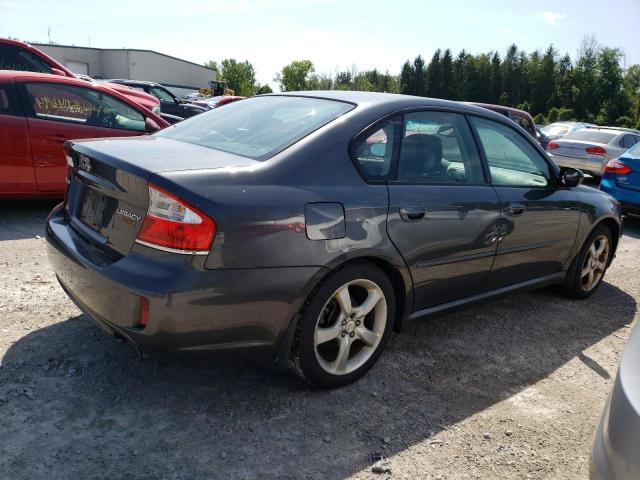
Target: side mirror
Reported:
[(150, 125), (57, 71), (571, 177), (378, 149)]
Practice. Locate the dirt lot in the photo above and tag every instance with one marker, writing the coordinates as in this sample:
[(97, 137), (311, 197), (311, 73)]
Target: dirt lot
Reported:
[(512, 389)]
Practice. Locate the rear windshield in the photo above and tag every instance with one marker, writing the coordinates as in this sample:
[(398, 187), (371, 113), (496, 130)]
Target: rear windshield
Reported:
[(555, 130), (591, 135), (257, 127)]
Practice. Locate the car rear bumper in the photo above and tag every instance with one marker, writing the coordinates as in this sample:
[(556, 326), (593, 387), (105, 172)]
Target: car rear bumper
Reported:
[(629, 199), (591, 164), (193, 311)]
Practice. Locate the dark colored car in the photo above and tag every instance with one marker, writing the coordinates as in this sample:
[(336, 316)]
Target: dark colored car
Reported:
[(615, 454), (306, 227), (169, 103), (39, 112), (621, 180), (17, 55)]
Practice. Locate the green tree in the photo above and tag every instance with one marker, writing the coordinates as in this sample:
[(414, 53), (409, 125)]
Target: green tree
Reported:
[(610, 92), (447, 75), (585, 79), (407, 79), (420, 76), (295, 76), (240, 76), (433, 75)]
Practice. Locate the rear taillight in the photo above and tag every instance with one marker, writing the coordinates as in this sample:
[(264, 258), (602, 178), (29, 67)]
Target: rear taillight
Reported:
[(144, 312), (596, 151), (615, 166), (552, 146), (172, 224)]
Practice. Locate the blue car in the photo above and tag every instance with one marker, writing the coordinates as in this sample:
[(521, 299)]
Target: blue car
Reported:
[(621, 179)]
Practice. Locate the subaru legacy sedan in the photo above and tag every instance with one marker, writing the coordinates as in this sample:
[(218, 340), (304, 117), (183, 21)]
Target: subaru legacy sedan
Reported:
[(307, 227)]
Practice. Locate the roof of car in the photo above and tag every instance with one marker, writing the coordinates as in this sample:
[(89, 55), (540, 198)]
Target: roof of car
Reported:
[(135, 82), (9, 75), (380, 99)]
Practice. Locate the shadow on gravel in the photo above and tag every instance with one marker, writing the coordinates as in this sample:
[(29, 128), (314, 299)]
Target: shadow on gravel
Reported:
[(21, 219), (74, 403), (631, 227)]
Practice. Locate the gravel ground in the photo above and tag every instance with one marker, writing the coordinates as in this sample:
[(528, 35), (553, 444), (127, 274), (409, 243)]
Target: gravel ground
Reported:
[(512, 389)]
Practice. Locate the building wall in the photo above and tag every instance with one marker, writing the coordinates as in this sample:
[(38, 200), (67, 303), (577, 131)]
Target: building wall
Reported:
[(135, 65), (85, 55), (144, 65)]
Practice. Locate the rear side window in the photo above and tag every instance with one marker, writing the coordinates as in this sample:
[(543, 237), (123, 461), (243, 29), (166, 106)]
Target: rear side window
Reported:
[(437, 147), (9, 103), (82, 106), (374, 153), (16, 58), (258, 127), (512, 160), (629, 141)]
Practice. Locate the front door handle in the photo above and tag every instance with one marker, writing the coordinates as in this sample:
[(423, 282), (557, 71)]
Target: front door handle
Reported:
[(57, 138), (412, 214), (515, 209)]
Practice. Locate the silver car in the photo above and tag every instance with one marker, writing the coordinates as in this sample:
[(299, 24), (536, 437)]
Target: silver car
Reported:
[(589, 149), (556, 130), (615, 454)]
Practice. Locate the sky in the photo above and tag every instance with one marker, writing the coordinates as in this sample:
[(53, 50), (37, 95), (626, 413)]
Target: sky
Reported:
[(331, 33)]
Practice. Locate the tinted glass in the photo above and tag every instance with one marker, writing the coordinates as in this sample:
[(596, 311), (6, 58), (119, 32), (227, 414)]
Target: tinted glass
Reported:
[(16, 58), (257, 127), (9, 103), (512, 160), (374, 152), (629, 141), (161, 94), (591, 135), (437, 147), (83, 106)]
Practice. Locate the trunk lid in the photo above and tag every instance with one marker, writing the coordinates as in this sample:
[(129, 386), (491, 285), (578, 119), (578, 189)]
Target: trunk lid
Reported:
[(107, 196), (577, 149)]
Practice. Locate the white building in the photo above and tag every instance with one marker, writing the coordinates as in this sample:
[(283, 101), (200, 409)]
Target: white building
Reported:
[(180, 76)]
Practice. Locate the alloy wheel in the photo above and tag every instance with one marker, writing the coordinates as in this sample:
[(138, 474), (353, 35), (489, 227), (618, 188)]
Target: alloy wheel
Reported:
[(350, 326), (595, 263)]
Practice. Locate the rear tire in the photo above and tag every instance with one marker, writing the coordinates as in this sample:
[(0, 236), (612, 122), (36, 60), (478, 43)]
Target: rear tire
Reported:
[(590, 265), (344, 326)]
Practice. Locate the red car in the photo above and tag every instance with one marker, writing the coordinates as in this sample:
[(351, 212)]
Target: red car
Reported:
[(16, 55), (39, 112)]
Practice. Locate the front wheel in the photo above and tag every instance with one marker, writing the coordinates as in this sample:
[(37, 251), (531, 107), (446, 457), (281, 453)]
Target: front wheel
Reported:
[(344, 326), (592, 263)]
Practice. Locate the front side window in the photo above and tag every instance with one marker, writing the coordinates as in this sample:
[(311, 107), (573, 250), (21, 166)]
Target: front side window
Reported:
[(512, 160), (82, 106), (374, 152), (437, 147), (161, 94), (257, 127)]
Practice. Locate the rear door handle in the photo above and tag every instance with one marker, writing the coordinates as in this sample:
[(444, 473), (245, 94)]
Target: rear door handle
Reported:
[(412, 214), (515, 209)]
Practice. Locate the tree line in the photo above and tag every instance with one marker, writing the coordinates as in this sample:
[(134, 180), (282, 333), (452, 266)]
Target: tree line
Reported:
[(594, 87)]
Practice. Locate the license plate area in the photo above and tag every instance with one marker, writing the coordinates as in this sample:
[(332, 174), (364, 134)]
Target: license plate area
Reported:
[(96, 210)]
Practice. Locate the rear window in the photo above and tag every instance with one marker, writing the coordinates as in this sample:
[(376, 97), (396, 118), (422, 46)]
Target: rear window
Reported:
[(258, 127), (591, 135), (16, 58), (558, 130)]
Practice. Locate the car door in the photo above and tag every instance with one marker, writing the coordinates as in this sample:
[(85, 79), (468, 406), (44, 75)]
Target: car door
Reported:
[(443, 216), (16, 164), (539, 217), (57, 112)]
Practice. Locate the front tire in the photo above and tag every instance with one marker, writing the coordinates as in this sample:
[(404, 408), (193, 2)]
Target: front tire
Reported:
[(344, 326), (591, 264)]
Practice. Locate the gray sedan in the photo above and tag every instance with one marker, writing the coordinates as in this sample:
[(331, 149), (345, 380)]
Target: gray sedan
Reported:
[(616, 446), (305, 228), (590, 149)]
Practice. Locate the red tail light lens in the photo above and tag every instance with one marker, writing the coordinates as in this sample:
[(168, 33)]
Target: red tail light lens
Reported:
[(614, 166), (175, 225), (552, 146), (144, 312), (596, 151)]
